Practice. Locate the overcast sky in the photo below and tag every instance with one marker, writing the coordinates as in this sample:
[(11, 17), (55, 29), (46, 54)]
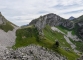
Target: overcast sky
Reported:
[(21, 12)]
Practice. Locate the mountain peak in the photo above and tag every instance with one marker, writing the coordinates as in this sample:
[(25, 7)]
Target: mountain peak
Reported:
[(6, 25), (51, 13), (52, 20), (71, 18)]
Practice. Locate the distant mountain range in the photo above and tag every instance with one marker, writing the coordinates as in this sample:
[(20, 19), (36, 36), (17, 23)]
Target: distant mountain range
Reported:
[(71, 18)]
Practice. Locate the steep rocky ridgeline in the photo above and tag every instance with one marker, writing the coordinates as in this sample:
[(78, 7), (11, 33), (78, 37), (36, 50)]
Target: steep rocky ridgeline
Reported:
[(7, 33), (79, 23), (52, 20), (6, 25), (79, 19), (2, 19)]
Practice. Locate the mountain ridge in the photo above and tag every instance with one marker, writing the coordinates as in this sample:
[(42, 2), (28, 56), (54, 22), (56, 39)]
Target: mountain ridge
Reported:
[(52, 20), (7, 33), (43, 31), (55, 20)]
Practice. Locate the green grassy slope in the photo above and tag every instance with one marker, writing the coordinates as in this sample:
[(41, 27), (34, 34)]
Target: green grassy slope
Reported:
[(65, 30), (51, 35), (30, 35), (79, 19), (26, 36), (77, 27), (6, 27), (78, 44), (74, 32)]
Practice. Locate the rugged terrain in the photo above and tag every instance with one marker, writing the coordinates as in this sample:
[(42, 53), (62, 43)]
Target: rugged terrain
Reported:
[(47, 29), (36, 41), (79, 22), (7, 33), (31, 52), (52, 20)]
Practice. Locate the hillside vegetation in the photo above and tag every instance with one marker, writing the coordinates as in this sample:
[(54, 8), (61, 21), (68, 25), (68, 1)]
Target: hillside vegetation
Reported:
[(30, 35), (48, 29), (5, 24), (78, 44), (6, 27)]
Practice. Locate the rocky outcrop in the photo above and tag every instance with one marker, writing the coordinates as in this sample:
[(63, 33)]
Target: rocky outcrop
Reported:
[(80, 31), (31, 52), (79, 26), (2, 19), (52, 20), (7, 38), (80, 23), (81, 58)]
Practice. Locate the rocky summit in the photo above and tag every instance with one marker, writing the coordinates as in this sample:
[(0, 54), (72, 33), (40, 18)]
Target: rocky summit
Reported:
[(52, 20), (55, 20)]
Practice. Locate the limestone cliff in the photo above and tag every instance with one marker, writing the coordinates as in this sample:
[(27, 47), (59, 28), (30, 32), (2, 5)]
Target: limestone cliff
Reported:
[(2, 19), (52, 20)]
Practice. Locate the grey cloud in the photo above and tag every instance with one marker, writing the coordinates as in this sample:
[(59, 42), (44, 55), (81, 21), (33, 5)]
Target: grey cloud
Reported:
[(62, 7), (21, 10), (71, 12)]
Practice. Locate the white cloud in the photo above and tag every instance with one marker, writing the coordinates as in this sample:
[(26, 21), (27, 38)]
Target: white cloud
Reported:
[(23, 11)]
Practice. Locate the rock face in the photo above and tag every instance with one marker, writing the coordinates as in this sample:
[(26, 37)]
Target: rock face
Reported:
[(81, 58), (52, 20), (7, 39), (79, 22), (2, 19), (80, 31), (31, 52)]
